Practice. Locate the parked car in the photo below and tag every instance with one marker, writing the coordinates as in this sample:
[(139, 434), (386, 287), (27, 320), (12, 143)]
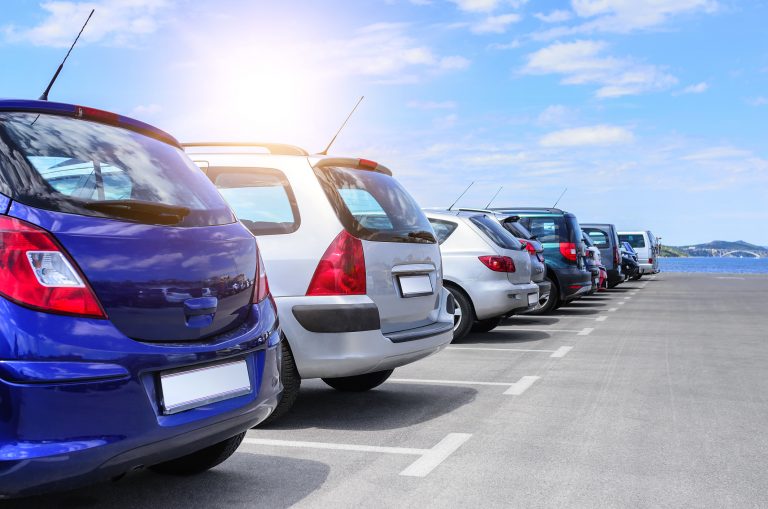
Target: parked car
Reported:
[(535, 250), (605, 238), (629, 262), (354, 266), (592, 260), (138, 329), (644, 243), (560, 234), (485, 268)]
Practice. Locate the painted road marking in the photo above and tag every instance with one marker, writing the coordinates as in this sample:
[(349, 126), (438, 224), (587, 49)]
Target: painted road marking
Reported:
[(428, 459), (730, 277), (627, 298), (613, 309), (522, 385), (587, 330), (560, 352), (512, 328), (601, 318), (495, 349), (513, 389), (621, 303)]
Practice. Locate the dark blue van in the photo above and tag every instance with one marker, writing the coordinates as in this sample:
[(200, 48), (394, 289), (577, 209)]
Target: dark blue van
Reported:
[(136, 328)]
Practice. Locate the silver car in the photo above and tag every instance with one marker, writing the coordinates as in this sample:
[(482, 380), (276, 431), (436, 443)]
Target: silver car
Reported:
[(353, 263), (484, 267)]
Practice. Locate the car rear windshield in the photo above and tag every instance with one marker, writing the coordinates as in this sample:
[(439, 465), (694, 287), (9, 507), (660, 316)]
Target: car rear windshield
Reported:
[(518, 230), (443, 229), (598, 237), (80, 167), (497, 233), (374, 206), (262, 198), (634, 239), (548, 229)]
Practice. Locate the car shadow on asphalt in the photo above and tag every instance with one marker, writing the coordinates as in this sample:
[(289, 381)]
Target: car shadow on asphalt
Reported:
[(503, 337), (586, 304), (245, 480), (572, 311), (390, 406), (525, 321)]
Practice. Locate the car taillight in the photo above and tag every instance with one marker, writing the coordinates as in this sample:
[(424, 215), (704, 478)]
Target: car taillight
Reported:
[(37, 273), (650, 260), (498, 263), (528, 247), (568, 250), (616, 256), (341, 270), (261, 290)]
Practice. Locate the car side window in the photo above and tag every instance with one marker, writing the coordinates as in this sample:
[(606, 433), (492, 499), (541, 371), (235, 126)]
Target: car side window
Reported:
[(443, 229), (598, 237), (261, 198)]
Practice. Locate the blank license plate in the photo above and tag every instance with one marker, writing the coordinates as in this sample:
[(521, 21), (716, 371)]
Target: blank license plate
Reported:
[(192, 388), (414, 286), (532, 299)]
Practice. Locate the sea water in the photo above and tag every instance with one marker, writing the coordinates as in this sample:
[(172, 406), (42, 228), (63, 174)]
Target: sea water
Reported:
[(712, 264)]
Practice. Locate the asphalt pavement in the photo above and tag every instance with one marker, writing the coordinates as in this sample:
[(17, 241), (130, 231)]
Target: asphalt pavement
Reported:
[(650, 395)]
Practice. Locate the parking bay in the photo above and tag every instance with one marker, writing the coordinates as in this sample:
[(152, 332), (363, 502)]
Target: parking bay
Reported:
[(659, 404)]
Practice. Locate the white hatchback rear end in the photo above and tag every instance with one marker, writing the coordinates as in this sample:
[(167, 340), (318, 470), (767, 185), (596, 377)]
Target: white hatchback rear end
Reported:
[(644, 247), (353, 264)]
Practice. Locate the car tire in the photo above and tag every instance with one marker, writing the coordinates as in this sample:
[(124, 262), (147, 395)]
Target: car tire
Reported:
[(359, 383), (464, 314), (486, 325), (550, 303), (202, 460), (637, 276), (289, 376)]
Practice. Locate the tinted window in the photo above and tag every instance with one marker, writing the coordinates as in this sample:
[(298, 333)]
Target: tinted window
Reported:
[(548, 229), (80, 167), (598, 237), (494, 231), (634, 239), (261, 198), (374, 206), (587, 240), (517, 229), (443, 229)]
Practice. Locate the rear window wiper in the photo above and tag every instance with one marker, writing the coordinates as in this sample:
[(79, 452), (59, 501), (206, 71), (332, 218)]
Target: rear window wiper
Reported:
[(139, 210)]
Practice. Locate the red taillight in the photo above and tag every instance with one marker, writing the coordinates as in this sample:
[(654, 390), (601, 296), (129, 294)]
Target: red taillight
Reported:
[(616, 257), (98, 115), (650, 260), (568, 250), (498, 263), (341, 270), (528, 247), (367, 163), (262, 285), (37, 273)]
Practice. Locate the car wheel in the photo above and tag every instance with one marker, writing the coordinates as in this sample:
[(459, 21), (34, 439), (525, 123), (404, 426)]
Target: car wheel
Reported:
[(547, 303), (637, 276), (289, 376), (359, 383), (486, 325), (463, 314), (202, 460)]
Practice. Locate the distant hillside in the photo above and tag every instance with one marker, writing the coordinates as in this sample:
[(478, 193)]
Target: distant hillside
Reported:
[(717, 248), (673, 252)]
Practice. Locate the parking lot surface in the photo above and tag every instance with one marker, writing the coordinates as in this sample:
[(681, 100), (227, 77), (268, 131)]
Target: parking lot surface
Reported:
[(650, 395)]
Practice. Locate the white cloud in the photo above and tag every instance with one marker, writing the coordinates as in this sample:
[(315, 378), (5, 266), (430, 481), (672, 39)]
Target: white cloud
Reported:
[(118, 22), (495, 24), (454, 63), (758, 101), (432, 105), (628, 15), (554, 115), (698, 88), (477, 5), (505, 45), (588, 136), (557, 16), (582, 62), (145, 110)]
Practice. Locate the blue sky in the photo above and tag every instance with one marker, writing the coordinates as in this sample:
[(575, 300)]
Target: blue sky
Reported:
[(652, 113)]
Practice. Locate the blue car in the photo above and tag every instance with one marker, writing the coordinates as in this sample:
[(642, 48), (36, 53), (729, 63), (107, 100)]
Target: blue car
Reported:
[(136, 325)]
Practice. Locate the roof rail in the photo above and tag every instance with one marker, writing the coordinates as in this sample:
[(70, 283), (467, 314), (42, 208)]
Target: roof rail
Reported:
[(282, 149), (470, 209)]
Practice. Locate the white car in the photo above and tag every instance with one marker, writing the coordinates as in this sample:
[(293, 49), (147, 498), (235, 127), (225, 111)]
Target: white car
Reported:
[(485, 268), (645, 245), (353, 264)]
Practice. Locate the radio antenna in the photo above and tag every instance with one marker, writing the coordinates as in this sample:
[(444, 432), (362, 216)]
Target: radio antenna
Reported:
[(494, 196), (558, 199), (462, 194), (325, 152), (44, 97)]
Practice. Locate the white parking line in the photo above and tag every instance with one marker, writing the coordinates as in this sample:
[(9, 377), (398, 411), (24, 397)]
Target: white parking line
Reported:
[(428, 461), (601, 318), (522, 385), (586, 331), (514, 389), (621, 303), (495, 349), (560, 352), (627, 298), (613, 309), (513, 328)]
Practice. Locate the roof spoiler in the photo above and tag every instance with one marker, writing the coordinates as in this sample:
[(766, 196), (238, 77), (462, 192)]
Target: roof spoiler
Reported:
[(351, 162), (511, 219)]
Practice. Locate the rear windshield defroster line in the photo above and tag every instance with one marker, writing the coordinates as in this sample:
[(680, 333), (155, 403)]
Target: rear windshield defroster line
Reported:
[(87, 168), (374, 206)]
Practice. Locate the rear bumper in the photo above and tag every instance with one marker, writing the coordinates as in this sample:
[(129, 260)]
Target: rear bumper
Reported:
[(573, 283), (500, 297), (62, 432), (337, 351), (647, 268), (615, 276)]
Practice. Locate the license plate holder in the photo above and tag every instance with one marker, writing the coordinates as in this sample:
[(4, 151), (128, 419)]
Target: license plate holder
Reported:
[(184, 389), (415, 286)]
